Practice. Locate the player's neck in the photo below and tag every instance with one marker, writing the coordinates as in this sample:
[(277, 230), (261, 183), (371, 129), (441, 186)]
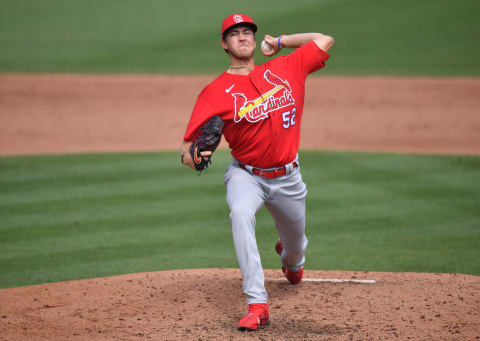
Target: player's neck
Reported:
[(241, 67)]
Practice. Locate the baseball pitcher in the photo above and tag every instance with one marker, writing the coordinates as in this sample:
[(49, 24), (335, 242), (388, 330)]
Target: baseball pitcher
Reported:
[(258, 109)]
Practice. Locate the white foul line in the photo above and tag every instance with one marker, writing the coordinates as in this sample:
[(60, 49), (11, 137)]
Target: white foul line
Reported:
[(334, 280)]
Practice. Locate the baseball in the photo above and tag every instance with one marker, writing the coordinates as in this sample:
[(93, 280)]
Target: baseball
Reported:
[(266, 47)]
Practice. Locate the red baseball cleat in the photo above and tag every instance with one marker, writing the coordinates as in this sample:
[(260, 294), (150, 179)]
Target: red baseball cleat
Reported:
[(258, 315), (293, 277)]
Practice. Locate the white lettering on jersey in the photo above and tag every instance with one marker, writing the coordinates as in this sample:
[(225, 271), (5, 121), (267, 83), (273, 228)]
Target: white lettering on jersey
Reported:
[(280, 96)]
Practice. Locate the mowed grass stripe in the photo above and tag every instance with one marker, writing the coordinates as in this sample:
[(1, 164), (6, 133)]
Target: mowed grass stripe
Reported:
[(155, 199), (112, 173), (157, 252), (179, 218), (77, 216), (141, 232), (93, 195)]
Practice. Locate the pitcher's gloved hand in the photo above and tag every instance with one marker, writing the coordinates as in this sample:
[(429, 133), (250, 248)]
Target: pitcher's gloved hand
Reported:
[(207, 141)]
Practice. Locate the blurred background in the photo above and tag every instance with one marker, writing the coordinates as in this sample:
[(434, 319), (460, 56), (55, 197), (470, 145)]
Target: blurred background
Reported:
[(373, 37)]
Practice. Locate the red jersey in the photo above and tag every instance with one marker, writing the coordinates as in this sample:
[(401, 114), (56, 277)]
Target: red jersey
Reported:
[(262, 110)]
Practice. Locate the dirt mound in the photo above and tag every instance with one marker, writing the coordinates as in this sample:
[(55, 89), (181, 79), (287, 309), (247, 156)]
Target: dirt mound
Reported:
[(206, 304)]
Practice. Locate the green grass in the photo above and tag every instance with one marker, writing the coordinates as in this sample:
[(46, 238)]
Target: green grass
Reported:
[(80, 216), (373, 37)]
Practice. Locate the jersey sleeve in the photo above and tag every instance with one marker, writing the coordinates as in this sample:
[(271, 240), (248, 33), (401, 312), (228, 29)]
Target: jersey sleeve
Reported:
[(307, 59), (202, 111)]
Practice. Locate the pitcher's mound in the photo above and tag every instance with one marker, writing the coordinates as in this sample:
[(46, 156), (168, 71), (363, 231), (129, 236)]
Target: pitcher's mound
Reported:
[(206, 304)]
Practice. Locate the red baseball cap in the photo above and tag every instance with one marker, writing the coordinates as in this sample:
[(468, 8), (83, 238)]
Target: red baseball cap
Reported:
[(237, 19)]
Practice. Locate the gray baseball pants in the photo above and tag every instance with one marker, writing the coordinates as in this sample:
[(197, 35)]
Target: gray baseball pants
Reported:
[(284, 198)]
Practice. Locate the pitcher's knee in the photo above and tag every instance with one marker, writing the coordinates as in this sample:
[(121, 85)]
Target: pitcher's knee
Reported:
[(242, 213)]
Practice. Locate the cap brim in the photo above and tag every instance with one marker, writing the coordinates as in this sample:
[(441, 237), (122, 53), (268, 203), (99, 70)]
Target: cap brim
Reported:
[(249, 24)]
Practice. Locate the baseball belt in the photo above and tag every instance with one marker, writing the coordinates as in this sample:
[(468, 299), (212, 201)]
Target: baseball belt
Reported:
[(268, 173)]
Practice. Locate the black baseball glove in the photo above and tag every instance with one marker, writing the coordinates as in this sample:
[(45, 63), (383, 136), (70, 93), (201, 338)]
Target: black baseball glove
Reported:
[(211, 134)]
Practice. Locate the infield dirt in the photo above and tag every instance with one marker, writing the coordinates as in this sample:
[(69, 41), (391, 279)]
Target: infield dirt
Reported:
[(82, 113), (72, 113)]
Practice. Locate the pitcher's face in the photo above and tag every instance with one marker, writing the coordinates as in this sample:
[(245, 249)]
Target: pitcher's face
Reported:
[(240, 42)]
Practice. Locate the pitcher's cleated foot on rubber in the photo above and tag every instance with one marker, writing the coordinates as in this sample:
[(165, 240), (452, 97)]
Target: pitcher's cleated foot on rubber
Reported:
[(293, 277), (257, 317)]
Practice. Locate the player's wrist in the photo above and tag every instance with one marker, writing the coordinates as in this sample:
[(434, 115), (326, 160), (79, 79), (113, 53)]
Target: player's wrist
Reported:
[(280, 44)]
